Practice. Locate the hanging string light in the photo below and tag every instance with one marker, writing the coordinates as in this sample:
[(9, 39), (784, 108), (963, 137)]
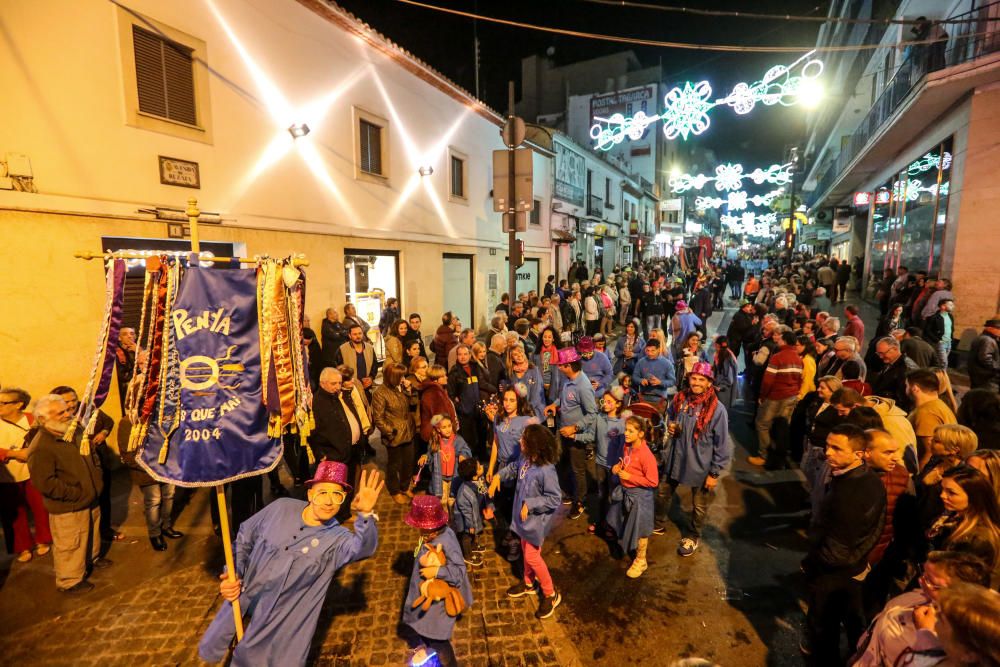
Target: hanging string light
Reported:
[(687, 107)]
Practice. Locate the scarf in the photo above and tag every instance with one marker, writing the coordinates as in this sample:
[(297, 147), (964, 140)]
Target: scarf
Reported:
[(520, 369), (704, 404)]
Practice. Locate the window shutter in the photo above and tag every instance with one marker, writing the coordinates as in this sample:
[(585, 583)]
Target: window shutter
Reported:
[(371, 148), (164, 76)]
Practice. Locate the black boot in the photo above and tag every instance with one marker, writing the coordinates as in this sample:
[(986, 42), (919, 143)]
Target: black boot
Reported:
[(158, 543)]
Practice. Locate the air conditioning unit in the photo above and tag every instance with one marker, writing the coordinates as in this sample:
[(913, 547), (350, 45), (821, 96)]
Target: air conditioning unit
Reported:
[(823, 215)]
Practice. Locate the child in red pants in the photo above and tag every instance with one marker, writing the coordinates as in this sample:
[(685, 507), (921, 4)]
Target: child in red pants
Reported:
[(536, 498)]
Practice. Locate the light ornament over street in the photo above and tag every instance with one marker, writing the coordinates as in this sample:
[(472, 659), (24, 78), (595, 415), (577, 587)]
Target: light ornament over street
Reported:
[(730, 177), (686, 108), (736, 201)]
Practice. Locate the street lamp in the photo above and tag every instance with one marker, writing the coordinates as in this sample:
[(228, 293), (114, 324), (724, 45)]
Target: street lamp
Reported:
[(298, 130)]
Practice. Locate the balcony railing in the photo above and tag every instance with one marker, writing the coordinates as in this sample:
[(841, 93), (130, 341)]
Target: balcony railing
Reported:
[(978, 38), (595, 206)]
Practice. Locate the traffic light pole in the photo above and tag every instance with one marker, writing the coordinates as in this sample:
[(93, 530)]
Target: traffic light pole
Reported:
[(512, 259)]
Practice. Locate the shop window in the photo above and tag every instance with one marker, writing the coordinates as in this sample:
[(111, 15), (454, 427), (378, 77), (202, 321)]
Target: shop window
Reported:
[(535, 218), (371, 277)]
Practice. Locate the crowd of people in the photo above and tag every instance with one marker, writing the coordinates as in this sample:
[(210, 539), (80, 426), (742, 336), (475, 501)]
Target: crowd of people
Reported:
[(603, 394)]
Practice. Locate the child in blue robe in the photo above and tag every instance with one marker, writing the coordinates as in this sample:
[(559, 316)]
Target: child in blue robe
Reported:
[(445, 451)]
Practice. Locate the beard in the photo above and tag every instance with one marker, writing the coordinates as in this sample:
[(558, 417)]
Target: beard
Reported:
[(57, 427)]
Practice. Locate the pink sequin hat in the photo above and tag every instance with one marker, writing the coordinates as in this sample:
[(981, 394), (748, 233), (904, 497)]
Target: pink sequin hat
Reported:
[(567, 355), (427, 513), (585, 345), (333, 472), (703, 368)]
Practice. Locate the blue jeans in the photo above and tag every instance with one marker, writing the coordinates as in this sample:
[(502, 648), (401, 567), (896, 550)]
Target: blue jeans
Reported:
[(158, 501), (943, 348), (653, 322)]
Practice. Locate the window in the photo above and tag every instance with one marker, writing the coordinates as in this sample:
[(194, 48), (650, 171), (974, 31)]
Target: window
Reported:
[(164, 75), (371, 148), (536, 213), (457, 176), (607, 192), (165, 87)]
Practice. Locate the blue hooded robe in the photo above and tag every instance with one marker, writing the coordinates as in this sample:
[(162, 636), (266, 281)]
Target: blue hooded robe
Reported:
[(435, 623), (286, 568)]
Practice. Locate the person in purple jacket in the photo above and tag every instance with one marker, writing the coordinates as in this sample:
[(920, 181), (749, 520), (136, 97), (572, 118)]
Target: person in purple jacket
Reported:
[(536, 498)]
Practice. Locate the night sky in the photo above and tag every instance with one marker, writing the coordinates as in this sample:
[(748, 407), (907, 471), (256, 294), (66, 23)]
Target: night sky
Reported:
[(446, 43)]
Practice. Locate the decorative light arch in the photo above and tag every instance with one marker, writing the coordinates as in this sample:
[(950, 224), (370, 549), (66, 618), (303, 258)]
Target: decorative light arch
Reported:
[(686, 107), (729, 177)]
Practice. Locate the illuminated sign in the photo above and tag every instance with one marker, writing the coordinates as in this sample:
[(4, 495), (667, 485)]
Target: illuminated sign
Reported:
[(686, 107), (882, 197), (862, 198)]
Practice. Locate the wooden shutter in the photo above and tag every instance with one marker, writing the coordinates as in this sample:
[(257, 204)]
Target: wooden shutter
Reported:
[(164, 73), (371, 148)]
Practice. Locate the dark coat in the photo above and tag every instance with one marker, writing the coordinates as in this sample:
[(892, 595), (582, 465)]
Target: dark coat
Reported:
[(890, 382), (984, 361), (848, 524), (67, 480), (333, 336), (331, 438), (934, 327)]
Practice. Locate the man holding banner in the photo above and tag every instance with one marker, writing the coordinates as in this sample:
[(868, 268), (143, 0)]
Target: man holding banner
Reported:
[(285, 557)]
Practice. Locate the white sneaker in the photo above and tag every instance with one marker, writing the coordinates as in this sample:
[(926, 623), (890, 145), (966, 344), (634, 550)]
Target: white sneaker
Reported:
[(687, 547)]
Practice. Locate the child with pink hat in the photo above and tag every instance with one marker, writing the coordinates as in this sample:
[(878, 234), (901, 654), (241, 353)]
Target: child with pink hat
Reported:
[(439, 584)]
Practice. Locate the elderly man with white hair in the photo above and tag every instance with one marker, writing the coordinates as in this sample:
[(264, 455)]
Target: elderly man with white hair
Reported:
[(70, 484)]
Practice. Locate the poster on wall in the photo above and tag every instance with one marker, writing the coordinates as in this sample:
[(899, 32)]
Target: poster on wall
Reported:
[(571, 175), (626, 102)]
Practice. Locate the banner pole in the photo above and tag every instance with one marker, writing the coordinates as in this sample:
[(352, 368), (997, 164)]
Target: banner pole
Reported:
[(220, 494)]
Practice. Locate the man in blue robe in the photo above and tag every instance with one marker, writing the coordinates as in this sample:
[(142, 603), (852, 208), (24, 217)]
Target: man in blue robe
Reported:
[(285, 557)]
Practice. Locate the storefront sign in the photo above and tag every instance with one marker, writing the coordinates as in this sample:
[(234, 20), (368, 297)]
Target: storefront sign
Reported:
[(527, 275), (571, 175), (842, 225), (862, 198), (671, 204), (626, 102)]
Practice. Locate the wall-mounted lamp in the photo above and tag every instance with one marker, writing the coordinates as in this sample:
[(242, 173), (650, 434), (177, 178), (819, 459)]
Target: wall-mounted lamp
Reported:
[(426, 170), (298, 130)]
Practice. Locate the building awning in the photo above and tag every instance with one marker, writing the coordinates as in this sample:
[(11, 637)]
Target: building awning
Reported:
[(561, 236)]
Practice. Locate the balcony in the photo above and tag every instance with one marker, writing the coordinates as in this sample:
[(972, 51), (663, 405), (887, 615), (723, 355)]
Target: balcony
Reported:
[(978, 40), (595, 206)]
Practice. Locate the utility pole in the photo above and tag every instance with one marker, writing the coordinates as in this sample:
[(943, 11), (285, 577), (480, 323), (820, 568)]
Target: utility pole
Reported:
[(513, 260), (475, 43)]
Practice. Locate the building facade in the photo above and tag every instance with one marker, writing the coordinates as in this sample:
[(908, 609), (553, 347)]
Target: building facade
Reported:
[(297, 126), (905, 159)]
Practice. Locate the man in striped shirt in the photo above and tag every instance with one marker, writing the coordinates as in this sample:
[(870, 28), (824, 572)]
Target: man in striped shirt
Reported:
[(779, 392)]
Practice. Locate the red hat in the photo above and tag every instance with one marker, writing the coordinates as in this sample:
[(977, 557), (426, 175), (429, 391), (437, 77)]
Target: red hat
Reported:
[(333, 472), (585, 345), (427, 513), (567, 355), (702, 368)]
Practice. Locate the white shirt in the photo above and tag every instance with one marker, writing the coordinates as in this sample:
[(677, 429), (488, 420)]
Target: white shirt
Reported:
[(893, 631), (12, 437)]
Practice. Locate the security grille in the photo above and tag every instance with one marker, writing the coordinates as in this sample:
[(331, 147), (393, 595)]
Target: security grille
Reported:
[(164, 74)]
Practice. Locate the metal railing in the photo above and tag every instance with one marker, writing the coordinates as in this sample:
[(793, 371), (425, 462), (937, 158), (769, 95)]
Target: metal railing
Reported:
[(978, 39)]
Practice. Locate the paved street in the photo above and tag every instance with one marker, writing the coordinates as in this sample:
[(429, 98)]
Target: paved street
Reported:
[(735, 601)]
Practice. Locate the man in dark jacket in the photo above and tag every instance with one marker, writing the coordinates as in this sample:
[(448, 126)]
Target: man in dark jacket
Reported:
[(413, 333), (701, 305), (984, 357), (890, 382), (740, 326), (70, 484), (332, 335), (339, 429), (848, 525), (916, 348)]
